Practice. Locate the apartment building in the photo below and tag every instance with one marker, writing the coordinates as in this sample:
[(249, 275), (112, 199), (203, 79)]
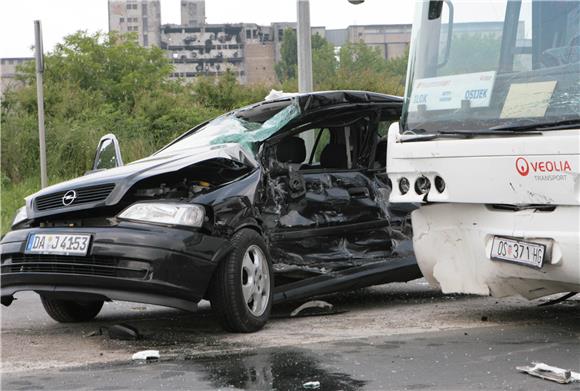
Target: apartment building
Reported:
[(141, 17)]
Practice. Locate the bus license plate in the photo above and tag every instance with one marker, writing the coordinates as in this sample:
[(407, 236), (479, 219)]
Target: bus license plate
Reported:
[(59, 244), (518, 251)]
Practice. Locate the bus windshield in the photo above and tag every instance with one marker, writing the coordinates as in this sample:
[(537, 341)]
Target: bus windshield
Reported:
[(485, 65)]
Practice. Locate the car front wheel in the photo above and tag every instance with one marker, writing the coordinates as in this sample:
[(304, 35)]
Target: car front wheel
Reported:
[(67, 311), (242, 288)]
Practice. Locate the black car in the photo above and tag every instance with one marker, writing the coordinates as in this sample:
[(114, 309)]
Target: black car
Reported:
[(292, 189)]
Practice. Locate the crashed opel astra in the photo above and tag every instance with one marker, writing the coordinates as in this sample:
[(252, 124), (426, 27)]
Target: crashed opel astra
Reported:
[(290, 190)]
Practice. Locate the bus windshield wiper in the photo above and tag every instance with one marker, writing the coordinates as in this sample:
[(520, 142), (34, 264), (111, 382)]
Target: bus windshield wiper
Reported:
[(421, 134), (552, 125)]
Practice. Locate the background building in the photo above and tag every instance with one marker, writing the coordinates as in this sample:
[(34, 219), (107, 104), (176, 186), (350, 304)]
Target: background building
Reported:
[(391, 41), (8, 72), (211, 49), (248, 50), (192, 12), (142, 17)]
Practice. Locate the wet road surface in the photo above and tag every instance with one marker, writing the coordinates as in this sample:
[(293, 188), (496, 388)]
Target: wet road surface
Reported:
[(398, 336), (481, 359)]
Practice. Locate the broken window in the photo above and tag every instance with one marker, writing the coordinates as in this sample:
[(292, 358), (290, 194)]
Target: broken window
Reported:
[(339, 142), (246, 127)]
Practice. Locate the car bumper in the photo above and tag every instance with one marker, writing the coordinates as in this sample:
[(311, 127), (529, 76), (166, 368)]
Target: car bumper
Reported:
[(131, 262), (452, 244)]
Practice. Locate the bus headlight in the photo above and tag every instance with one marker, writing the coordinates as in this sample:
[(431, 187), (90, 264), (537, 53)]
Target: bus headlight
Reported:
[(422, 185), (439, 184), (404, 185)]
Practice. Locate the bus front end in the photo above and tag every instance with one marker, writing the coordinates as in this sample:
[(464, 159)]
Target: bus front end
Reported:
[(489, 144)]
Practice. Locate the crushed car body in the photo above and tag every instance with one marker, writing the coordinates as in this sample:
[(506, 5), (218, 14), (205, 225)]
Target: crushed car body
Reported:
[(291, 189)]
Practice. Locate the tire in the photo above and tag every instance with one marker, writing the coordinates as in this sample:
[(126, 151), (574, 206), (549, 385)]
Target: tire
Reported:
[(68, 311), (242, 286)]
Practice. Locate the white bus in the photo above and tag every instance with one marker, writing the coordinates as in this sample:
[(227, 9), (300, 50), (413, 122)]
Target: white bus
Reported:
[(489, 144)]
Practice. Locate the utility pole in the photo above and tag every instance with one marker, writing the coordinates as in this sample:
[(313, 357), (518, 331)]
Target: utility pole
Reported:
[(304, 41), (304, 47), (40, 100)]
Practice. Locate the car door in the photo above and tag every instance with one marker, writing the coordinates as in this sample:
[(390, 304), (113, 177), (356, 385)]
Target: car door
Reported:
[(327, 209)]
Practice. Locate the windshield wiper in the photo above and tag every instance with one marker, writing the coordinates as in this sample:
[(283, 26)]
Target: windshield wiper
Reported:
[(424, 136), (552, 125)]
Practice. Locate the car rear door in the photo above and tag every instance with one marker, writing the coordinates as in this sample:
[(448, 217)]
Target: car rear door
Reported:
[(327, 207)]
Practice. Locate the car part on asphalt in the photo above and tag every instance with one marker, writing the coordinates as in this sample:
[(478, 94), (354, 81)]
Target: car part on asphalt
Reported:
[(146, 355), (322, 307), (124, 332), (548, 372), (311, 385), (559, 299)]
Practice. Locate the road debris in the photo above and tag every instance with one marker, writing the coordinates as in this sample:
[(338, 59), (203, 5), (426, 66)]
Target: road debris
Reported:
[(313, 307), (548, 372), (559, 299), (146, 355), (95, 333), (124, 332), (311, 385)]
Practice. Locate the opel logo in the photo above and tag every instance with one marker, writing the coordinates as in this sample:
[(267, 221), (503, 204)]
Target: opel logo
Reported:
[(69, 197)]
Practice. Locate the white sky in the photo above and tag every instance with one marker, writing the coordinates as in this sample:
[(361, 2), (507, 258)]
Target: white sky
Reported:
[(63, 17)]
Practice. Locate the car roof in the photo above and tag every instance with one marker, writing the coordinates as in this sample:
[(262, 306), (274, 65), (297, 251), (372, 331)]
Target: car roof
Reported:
[(317, 100), (311, 101)]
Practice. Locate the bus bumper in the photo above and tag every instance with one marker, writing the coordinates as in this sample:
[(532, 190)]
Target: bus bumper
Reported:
[(452, 244)]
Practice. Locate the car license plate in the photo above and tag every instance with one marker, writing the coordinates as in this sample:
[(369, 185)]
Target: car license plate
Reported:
[(518, 251), (59, 244)]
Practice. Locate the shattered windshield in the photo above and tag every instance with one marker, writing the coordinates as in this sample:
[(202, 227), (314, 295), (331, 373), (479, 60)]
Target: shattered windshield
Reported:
[(236, 127), (481, 65)]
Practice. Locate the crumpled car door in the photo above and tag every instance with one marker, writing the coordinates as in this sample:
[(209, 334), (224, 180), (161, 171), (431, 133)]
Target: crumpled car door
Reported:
[(326, 218)]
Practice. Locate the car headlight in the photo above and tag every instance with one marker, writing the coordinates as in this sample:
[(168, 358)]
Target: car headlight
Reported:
[(21, 215), (165, 213)]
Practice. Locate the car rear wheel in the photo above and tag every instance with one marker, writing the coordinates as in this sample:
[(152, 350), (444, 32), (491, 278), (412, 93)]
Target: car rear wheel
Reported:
[(242, 287), (67, 311)]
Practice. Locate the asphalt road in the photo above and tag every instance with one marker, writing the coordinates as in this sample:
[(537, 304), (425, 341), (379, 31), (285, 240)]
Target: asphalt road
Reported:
[(398, 336)]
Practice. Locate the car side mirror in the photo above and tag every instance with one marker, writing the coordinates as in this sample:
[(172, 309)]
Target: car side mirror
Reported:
[(108, 154)]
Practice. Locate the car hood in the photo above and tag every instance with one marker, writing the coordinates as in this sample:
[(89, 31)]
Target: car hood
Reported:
[(121, 179)]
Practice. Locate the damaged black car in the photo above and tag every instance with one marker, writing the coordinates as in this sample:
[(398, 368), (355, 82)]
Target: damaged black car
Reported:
[(281, 200)]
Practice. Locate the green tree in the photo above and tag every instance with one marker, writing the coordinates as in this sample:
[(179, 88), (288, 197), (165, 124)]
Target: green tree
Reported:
[(110, 65), (359, 57), (287, 67), (463, 59), (323, 60), (362, 67), (94, 84)]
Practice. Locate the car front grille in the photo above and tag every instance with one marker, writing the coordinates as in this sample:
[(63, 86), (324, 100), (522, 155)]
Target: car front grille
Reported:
[(83, 195), (64, 264)]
